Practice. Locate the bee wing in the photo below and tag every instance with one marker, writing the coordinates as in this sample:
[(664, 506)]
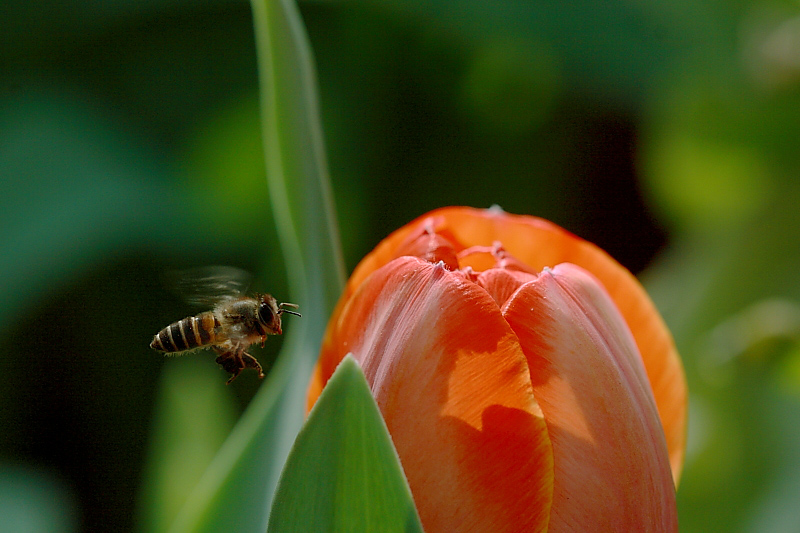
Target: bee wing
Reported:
[(207, 286)]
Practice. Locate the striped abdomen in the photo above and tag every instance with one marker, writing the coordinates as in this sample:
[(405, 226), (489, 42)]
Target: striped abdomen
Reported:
[(187, 334)]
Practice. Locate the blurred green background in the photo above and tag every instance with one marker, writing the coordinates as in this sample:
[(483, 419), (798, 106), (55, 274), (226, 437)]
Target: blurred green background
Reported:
[(668, 133)]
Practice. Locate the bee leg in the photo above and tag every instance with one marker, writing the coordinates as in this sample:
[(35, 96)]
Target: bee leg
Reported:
[(234, 373), (230, 360), (251, 362)]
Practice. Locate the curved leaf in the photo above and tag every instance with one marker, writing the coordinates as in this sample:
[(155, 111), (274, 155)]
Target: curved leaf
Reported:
[(237, 489)]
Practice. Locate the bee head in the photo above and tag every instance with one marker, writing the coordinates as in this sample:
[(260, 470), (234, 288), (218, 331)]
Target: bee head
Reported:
[(269, 313)]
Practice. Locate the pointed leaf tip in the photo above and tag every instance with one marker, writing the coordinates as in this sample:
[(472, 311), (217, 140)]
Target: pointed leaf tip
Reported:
[(343, 473)]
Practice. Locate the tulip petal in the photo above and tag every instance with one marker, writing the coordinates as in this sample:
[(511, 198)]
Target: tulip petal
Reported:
[(538, 243), (612, 469), (453, 385), (501, 283)]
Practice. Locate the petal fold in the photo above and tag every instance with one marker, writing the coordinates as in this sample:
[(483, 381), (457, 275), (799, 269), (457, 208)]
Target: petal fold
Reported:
[(453, 385), (612, 468)]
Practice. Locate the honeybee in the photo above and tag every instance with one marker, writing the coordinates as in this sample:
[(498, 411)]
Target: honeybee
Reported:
[(235, 322)]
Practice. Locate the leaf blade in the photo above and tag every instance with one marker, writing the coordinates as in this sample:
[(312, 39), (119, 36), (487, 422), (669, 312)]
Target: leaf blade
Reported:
[(239, 484), (343, 474)]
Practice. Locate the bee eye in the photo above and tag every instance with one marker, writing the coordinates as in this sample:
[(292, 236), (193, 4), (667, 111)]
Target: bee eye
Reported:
[(265, 313)]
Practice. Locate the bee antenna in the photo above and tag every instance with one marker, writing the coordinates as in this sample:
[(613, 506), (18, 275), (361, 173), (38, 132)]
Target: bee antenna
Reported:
[(281, 309)]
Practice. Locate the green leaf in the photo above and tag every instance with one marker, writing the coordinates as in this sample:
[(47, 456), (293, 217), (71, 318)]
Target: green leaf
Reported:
[(194, 415), (236, 491), (343, 473), (297, 172)]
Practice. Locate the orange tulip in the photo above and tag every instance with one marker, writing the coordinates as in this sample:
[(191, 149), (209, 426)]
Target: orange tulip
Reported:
[(519, 397)]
